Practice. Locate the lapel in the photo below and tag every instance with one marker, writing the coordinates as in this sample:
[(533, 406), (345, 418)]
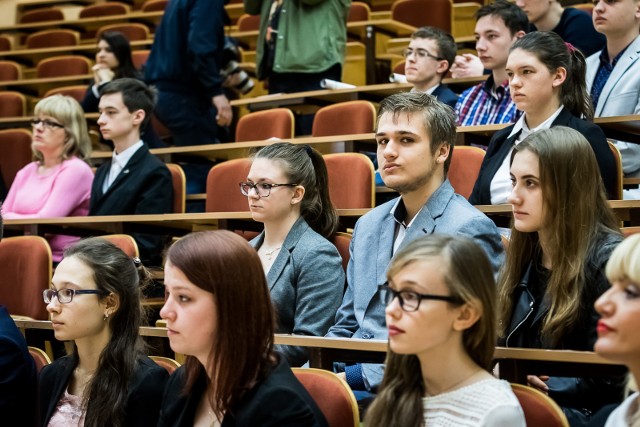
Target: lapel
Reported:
[(383, 242), (124, 173), (284, 256), (563, 118), (626, 61)]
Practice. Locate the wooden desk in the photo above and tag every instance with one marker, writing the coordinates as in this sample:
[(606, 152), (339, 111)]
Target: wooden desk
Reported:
[(38, 87), (515, 363)]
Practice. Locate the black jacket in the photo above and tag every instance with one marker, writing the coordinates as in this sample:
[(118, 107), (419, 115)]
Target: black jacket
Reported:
[(279, 400), (586, 395), (143, 398), (446, 95), (500, 146)]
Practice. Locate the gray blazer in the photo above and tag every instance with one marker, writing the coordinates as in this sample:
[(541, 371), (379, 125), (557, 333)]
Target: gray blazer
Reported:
[(620, 96), (306, 282), (361, 314)]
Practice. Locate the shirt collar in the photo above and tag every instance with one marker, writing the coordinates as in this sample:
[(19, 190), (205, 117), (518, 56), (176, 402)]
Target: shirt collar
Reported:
[(497, 92), (123, 158), (604, 56), (521, 125), (399, 213)]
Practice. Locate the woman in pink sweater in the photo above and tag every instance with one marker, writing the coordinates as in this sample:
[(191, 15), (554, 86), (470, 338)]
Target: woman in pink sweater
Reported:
[(58, 182)]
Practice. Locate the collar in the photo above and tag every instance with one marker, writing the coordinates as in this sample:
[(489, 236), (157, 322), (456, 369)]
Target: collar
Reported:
[(428, 91), (497, 92), (399, 213), (521, 125), (604, 56), (123, 158)]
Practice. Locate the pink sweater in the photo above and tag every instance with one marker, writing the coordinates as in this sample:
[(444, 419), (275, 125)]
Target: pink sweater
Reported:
[(63, 191)]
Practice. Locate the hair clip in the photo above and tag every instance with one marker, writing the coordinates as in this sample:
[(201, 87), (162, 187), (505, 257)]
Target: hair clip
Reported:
[(137, 262), (570, 47)]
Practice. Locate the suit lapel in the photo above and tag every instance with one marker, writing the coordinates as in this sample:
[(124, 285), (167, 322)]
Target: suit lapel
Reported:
[(128, 169), (284, 256), (628, 58), (384, 248)]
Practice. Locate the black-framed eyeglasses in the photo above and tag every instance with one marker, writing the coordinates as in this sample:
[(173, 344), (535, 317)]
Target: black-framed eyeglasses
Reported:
[(420, 54), (46, 123), (263, 189), (65, 296), (410, 300)]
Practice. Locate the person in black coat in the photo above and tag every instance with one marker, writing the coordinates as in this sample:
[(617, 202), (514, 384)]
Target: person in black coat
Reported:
[(219, 314), (94, 301), (133, 181), (547, 83), (562, 235)]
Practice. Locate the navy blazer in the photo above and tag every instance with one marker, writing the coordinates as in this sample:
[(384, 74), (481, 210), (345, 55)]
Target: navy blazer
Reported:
[(361, 314), (446, 95), (17, 376), (500, 146), (278, 400), (306, 282), (144, 186), (143, 398)]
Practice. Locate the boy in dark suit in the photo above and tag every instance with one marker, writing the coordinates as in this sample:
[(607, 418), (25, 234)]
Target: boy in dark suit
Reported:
[(133, 181)]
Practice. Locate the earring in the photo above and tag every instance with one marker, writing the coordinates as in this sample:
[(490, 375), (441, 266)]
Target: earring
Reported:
[(106, 316)]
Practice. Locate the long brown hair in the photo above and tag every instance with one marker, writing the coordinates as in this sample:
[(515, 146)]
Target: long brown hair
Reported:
[(578, 212), (469, 277), (224, 264)]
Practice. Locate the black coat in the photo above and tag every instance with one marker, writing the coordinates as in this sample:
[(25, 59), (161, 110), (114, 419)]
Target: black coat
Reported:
[(500, 146), (143, 398), (446, 95), (279, 400)]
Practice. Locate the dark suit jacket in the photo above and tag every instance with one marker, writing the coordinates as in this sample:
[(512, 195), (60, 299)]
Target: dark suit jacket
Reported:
[(17, 376), (143, 187), (500, 145), (143, 398), (279, 400), (446, 95)]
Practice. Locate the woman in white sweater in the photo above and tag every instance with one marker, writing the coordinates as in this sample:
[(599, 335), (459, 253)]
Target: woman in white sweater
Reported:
[(618, 337), (440, 299)]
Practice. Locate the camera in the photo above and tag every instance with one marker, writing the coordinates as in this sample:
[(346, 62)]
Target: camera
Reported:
[(235, 78)]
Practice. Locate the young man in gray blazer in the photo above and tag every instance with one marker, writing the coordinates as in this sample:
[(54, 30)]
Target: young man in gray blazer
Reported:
[(613, 74), (415, 136)]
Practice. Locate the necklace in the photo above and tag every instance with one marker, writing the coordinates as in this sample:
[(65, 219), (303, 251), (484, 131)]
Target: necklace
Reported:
[(456, 385), (269, 254)]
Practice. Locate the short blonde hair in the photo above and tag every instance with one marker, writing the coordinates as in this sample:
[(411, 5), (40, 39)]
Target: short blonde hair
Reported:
[(69, 113), (624, 263)]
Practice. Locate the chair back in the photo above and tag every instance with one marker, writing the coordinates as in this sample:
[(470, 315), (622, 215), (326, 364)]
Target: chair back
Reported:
[(223, 189), (133, 31), (104, 9), (398, 68), (12, 104), (40, 357), (179, 181), (332, 395), (419, 13), (344, 118), (351, 180), (342, 241), (539, 409), (42, 15), (464, 169), (5, 43), (52, 38), (154, 5), (124, 242), (26, 273), (629, 231), (165, 362), (619, 173), (60, 66), (248, 22), (261, 125), (15, 146), (139, 58), (10, 70), (76, 92), (359, 11)]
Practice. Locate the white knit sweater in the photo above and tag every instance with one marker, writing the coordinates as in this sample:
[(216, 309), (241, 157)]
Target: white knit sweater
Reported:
[(489, 403)]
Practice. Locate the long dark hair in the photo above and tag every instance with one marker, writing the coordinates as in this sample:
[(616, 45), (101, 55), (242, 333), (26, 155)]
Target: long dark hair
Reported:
[(121, 48), (469, 277), (554, 53), (114, 272), (224, 264), (577, 213), (305, 166)]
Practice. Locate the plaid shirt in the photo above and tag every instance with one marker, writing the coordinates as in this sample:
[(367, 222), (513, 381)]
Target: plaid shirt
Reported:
[(481, 105)]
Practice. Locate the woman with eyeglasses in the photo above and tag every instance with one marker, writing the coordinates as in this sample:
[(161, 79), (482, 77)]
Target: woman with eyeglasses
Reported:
[(287, 190), (562, 235), (440, 299), (219, 314), (94, 301), (58, 182)]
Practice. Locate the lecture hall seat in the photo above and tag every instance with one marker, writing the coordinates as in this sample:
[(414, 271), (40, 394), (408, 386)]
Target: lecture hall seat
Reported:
[(344, 118), (15, 146), (223, 186), (42, 15), (52, 38), (133, 31), (351, 180), (262, 125), (60, 66), (464, 168), (419, 13), (12, 104)]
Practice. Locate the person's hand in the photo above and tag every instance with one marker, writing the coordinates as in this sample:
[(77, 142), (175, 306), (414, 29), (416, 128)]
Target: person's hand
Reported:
[(225, 114), (538, 382), (466, 65), (102, 74)]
